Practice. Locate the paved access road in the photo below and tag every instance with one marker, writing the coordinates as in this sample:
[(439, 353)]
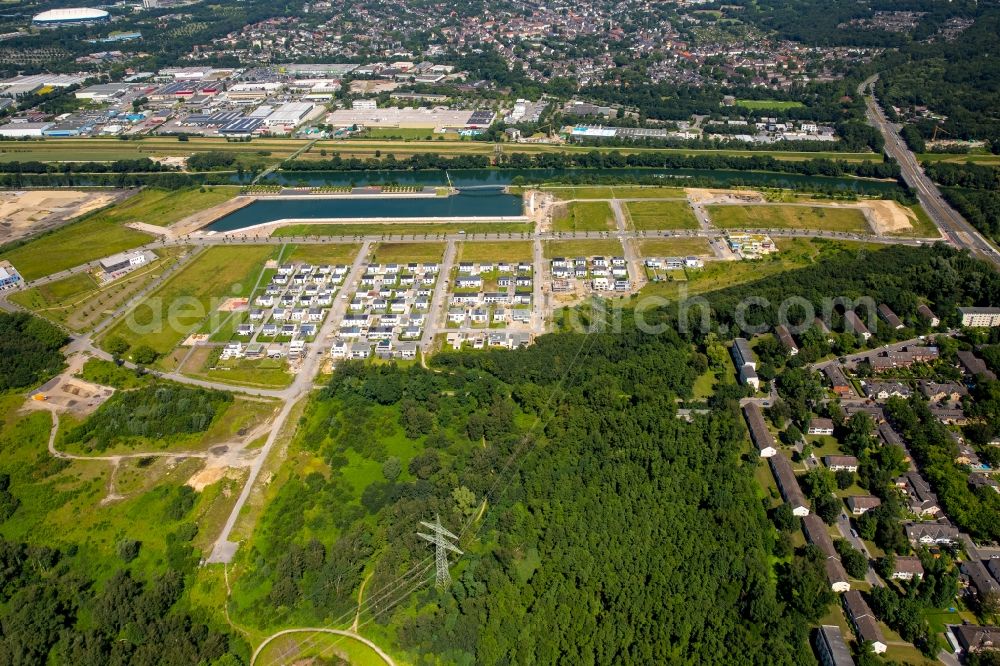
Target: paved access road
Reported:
[(955, 228), (224, 549)]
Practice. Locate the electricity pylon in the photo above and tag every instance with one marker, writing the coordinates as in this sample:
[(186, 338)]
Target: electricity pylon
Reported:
[(442, 545)]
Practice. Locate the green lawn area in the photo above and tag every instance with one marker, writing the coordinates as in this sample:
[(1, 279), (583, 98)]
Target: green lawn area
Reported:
[(674, 247), (583, 216), (241, 414), (505, 251), (301, 647), (405, 252), (78, 301), (422, 133), (614, 192), (107, 373), (977, 158), (267, 372), (402, 228), (704, 385), (778, 105), (61, 500), (339, 253), (94, 237), (179, 306), (164, 207), (644, 215), (794, 253), (582, 248), (641, 192), (789, 217), (923, 227)]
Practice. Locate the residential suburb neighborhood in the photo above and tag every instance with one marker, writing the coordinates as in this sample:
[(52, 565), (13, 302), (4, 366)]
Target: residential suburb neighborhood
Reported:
[(338, 333)]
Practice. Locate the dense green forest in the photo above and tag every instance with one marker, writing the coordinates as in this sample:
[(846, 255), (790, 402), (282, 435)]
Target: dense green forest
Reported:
[(899, 276), (29, 350), (53, 613), (152, 412), (956, 79), (611, 530), (974, 511), (596, 159), (142, 165), (974, 190)]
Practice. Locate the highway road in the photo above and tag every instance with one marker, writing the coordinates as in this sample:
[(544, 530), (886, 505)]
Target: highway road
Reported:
[(956, 229)]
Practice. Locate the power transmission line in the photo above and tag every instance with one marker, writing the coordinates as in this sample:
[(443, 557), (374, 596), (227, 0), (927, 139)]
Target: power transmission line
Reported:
[(442, 545)]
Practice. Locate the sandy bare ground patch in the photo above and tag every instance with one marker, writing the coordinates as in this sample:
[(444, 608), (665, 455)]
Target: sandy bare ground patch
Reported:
[(205, 217), (69, 394), (234, 305), (227, 459), (28, 212), (195, 339), (700, 195), (889, 216), (210, 475), (366, 87)]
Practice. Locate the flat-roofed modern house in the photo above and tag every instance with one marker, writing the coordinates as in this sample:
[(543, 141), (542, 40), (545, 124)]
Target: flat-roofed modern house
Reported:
[(122, 261), (980, 317)]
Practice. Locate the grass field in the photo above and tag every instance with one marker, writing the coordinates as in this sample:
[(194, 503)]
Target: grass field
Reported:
[(271, 150), (242, 414), (789, 217), (505, 251), (794, 253), (92, 238), (164, 207), (422, 133), (61, 499), (583, 216), (266, 373), (674, 247), (79, 301), (777, 105), (303, 647), (404, 228), (368, 148), (403, 252), (645, 215), (179, 306), (977, 158), (923, 227), (615, 192), (582, 248), (105, 150), (340, 253)]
